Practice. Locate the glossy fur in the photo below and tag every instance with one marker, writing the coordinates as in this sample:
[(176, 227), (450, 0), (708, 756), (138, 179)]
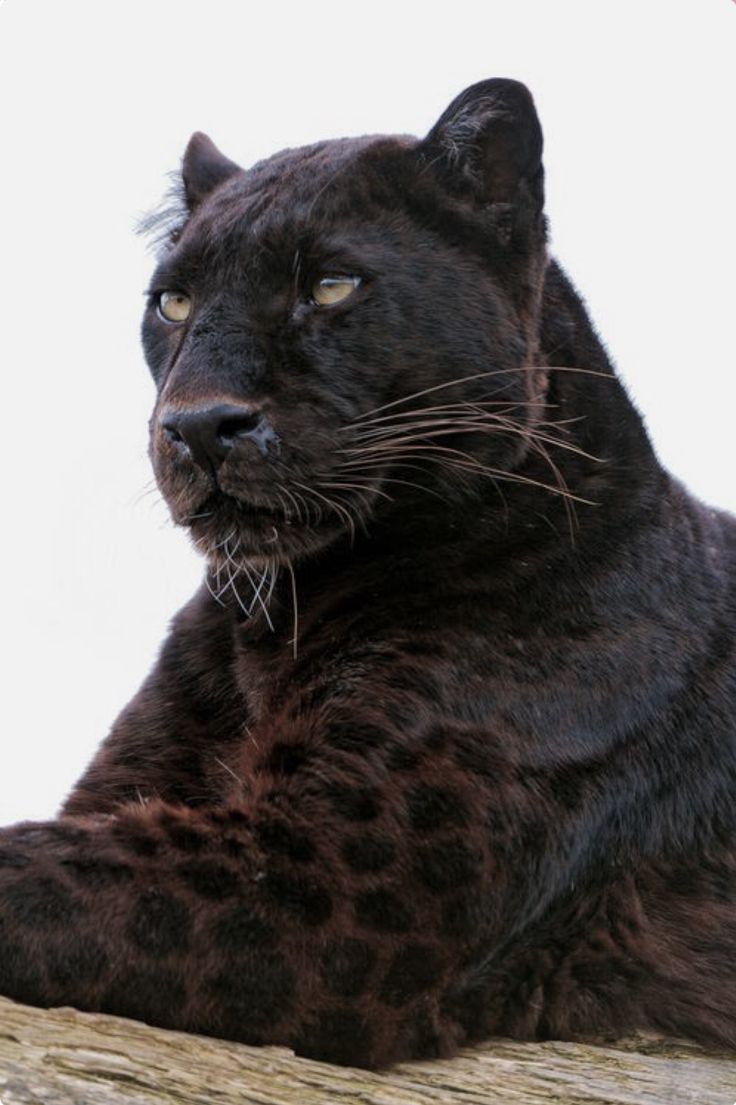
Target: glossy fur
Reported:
[(444, 746)]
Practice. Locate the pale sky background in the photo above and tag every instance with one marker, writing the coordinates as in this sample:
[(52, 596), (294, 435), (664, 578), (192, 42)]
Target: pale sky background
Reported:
[(98, 99)]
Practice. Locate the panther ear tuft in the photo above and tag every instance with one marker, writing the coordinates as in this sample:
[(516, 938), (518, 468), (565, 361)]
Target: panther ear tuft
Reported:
[(491, 137), (204, 168)]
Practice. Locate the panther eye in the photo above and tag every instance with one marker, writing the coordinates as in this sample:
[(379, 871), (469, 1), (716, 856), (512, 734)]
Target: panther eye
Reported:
[(333, 289), (174, 306)]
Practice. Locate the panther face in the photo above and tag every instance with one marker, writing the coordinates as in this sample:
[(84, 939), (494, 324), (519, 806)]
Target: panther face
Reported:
[(343, 332)]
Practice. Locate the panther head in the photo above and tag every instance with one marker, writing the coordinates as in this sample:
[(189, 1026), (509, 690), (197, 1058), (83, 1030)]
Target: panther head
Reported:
[(348, 330)]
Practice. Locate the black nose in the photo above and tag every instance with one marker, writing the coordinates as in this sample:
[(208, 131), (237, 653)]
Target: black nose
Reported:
[(209, 433)]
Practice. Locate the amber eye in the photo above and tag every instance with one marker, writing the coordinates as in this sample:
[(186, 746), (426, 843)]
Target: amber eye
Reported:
[(333, 289), (174, 306)]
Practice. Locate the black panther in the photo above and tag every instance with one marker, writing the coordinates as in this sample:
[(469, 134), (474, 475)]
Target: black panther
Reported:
[(444, 746)]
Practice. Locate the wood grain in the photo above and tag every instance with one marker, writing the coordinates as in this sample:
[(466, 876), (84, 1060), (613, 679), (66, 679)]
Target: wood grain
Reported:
[(63, 1057)]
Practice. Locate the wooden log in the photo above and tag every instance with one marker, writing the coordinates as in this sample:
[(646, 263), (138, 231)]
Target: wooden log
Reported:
[(63, 1057)]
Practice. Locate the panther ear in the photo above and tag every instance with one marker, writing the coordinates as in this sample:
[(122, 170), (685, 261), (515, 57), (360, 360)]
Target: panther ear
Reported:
[(490, 137), (203, 168)]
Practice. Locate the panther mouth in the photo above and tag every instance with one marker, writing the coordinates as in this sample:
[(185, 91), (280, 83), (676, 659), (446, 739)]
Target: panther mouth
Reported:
[(225, 528), (222, 507)]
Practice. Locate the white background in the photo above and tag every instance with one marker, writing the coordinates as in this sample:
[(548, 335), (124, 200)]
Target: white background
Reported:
[(98, 99)]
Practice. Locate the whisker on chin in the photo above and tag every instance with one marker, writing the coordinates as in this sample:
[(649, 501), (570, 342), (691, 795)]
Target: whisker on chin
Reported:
[(215, 595), (257, 594), (224, 560)]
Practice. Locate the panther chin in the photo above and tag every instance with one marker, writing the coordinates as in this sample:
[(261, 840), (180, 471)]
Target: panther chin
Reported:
[(233, 533)]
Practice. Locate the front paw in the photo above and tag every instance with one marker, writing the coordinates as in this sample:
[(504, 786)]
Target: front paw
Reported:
[(36, 908)]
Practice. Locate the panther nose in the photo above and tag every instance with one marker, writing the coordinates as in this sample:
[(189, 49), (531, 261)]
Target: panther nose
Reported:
[(209, 433)]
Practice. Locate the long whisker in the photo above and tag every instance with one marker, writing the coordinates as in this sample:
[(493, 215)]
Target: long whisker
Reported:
[(149, 488), (274, 573), (569, 506), (227, 561), (257, 598), (286, 491), (215, 595), (295, 637), (357, 487), (284, 508), (233, 588), (259, 588), (458, 459), (307, 504), (337, 507), (386, 435), (436, 428), (361, 505), (453, 428), (459, 405), (405, 483), (480, 376)]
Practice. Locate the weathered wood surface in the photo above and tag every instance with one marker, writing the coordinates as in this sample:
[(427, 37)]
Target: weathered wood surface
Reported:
[(61, 1057)]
